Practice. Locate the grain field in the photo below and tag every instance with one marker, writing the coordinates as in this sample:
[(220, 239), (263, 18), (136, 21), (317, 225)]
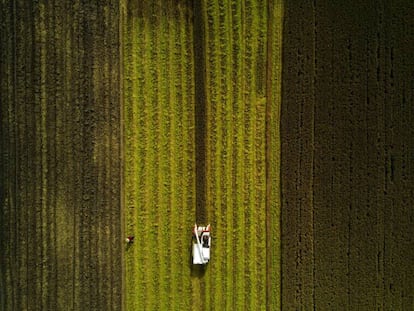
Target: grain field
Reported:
[(196, 114), (159, 153)]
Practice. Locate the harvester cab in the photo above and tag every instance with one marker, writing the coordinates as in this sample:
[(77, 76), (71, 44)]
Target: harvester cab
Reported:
[(201, 245)]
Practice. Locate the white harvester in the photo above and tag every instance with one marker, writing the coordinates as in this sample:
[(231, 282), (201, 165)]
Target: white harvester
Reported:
[(201, 245)]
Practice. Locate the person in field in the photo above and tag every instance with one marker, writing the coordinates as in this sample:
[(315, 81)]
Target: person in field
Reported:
[(130, 239), (205, 241)]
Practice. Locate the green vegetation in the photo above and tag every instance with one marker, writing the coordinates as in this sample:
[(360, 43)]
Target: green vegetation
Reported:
[(181, 60), (137, 117), (159, 153), (235, 45)]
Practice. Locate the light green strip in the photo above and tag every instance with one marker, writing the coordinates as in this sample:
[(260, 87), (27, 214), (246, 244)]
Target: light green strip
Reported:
[(162, 155), (174, 190), (159, 175), (152, 147), (240, 160), (208, 278), (229, 141), (185, 120)]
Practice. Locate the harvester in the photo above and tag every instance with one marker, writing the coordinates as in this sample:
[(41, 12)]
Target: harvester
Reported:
[(201, 245)]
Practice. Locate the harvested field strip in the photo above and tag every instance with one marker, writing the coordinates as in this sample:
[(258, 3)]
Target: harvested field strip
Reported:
[(346, 130), (60, 169), (159, 153)]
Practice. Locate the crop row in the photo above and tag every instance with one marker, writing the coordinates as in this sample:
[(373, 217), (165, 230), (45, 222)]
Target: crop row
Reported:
[(195, 120), (60, 168)]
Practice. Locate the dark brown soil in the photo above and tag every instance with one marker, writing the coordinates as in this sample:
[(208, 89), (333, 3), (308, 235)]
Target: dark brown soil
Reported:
[(60, 156), (347, 156)]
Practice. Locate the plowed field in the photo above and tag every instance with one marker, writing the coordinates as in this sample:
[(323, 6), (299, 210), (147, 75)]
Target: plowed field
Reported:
[(60, 170), (195, 79), (347, 156)]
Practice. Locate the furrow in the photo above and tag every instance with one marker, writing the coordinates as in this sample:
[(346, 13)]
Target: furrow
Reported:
[(214, 131), (97, 132), (7, 137), (231, 237), (23, 215), (201, 74), (188, 130), (273, 199), (260, 151), (53, 122), (186, 81), (239, 215), (250, 116), (36, 157), (73, 170), (174, 190), (46, 135), (163, 177), (133, 71), (155, 136), (149, 202), (64, 248)]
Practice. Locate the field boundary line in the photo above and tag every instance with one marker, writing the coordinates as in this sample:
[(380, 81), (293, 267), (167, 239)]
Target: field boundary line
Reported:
[(272, 149), (121, 10)]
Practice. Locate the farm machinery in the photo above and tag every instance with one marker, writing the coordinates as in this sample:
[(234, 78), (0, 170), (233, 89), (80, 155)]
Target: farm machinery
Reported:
[(201, 245)]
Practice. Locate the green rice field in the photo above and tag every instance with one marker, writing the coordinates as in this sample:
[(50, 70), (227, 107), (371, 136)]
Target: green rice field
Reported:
[(195, 79)]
